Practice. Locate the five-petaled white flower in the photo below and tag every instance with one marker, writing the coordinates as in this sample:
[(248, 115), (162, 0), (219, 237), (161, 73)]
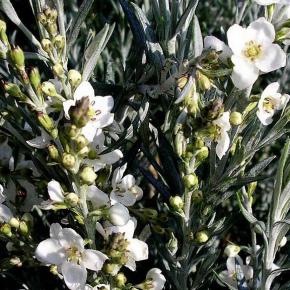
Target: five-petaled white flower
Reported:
[(65, 248), (125, 189), (100, 109), (270, 102), (136, 250), (254, 52), (97, 159), (155, 280), (223, 140), (5, 212)]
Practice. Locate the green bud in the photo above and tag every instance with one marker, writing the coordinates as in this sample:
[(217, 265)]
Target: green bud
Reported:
[(24, 229), (172, 245), (58, 70), (199, 143), (149, 213), (202, 153), (180, 144), (68, 161), (53, 152), (6, 230), (197, 196), (53, 15), (74, 78), (48, 89), (28, 219), (17, 57), (190, 180), (176, 203), (158, 229), (81, 142), (109, 268), (12, 89), (3, 35), (14, 223), (71, 131), (236, 118), (46, 122), (46, 45), (201, 237), (203, 81), (120, 279), (52, 29), (88, 175), (34, 77), (72, 199), (59, 42)]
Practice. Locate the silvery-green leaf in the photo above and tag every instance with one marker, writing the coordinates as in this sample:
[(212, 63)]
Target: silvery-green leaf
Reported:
[(78, 21), (94, 50), (198, 40)]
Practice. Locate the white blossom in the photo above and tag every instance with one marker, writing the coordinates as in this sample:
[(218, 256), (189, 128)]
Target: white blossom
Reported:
[(5, 212), (270, 102), (254, 52), (65, 248), (118, 214), (125, 190), (100, 106), (270, 2), (156, 279), (223, 140)]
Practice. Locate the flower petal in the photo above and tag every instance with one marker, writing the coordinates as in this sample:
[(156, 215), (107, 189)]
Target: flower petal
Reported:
[(68, 237), (111, 157), (93, 260), (138, 249), (5, 213), (223, 144), (97, 197), (127, 198), (262, 31), (236, 38), (85, 89), (75, 276), (157, 278), (66, 106), (55, 191), (40, 142), (50, 251), (54, 230)]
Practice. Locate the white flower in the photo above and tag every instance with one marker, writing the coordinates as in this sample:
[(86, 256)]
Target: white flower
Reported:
[(56, 195), (270, 102), (223, 139), (118, 214), (136, 250), (125, 190), (5, 212), (211, 42), (97, 197), (254, 52), (232, 250), (236, 270), (101, 106), (65, 248), (100, 160), (270, 2), (41, 141), (156, 279)]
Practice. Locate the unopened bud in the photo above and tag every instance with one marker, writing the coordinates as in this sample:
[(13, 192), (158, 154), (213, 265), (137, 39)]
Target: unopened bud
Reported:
[(34, 77), (17, 57), (53, 152), (232, 250), (202, 237), (149, 213), (190, 180), (72, 131), (202, 153), (81, 142), (110, 268), (14, 223), (3, 35), (158, 229), (236, 118), (197, 196), (28, 219), (203, 81), (58, 70), (121, 280), (72, 199), (6, 230), (74, 78), (12, 89), (53, 15), (59, 42), (47, 123), (68, 161), (52, 29), (46, 45), (180, 144), (48, 89), (88, 175), (176, 203), (24, 229), (41, 17)]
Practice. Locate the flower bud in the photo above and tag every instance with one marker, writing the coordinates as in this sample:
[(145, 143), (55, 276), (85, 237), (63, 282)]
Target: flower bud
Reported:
[(74, 78), (149, 213), (172, 245), (15, 261), (71, 130), (12, 89), (180, 144), (236, 118), (53, 15), (47, 123), (88, 175), (202, 153), (24, 229), (59, 42), (46, 45), (34, 77), (176, 203), (158, 229), (6, 230), (232, 250), (110, 268), (52, 29), (3, 35), (118, 214), (41, 17), (197, 196), (28, 218), (190, 180), (53, 152), (201, 237), (17, 57), (58, 70), (68, 161), (81, 142), (203, 81), (121, 280), (14, 223), (48, 89), (283, 242), (72, 199)]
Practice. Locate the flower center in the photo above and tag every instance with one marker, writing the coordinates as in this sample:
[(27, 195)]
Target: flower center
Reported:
[(268, 105), (252, 50), (73, 254)]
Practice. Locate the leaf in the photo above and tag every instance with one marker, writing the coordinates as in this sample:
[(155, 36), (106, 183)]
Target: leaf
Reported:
[(143, 33), (94, 50), (8, 9), (198, 40), (257, 169), (78, 21)]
